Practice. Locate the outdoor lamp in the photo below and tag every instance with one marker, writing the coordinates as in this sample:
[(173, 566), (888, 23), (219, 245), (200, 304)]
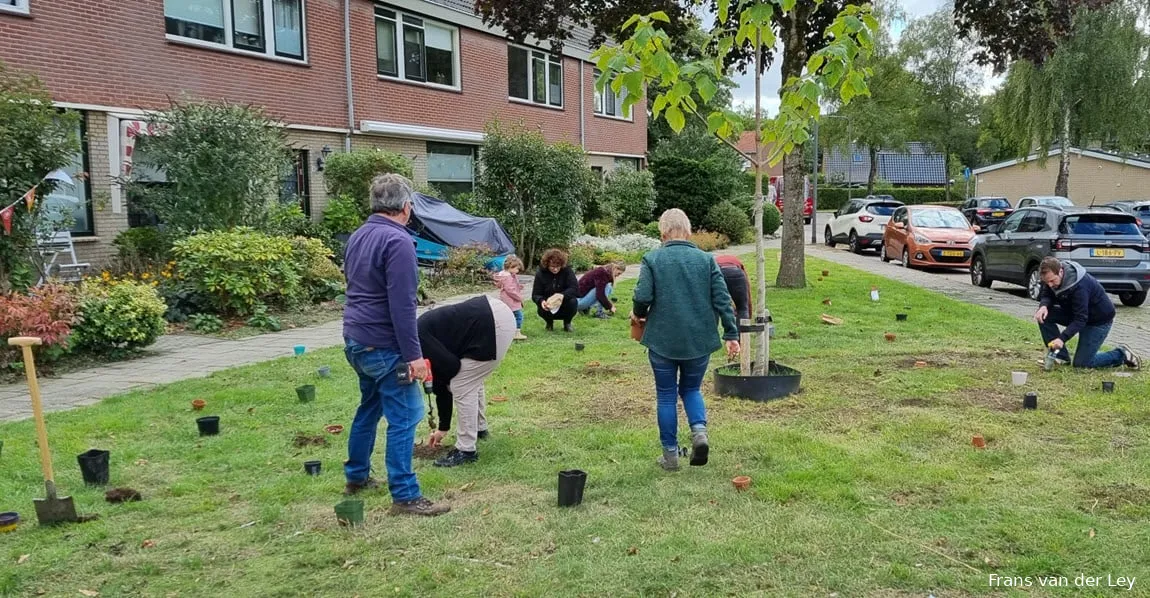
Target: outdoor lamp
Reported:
[(322, 159)]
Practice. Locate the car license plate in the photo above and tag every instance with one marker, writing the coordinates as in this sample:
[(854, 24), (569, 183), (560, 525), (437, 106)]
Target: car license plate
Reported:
[(951, 253), (1108, 253), (998, 214)]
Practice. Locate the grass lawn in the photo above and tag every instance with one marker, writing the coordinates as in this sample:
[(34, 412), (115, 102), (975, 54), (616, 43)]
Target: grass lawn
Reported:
[(871, 444)]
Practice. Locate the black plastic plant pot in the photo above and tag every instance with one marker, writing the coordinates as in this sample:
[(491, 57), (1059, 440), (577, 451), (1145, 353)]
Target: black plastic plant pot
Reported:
[(900, 317), (306, 393), (312, 467), (1030, 401), (94, 466), (571, 484), (1107, 386), (324, 372), (781, 381), (349, 512), (209, 425), (579, 346)]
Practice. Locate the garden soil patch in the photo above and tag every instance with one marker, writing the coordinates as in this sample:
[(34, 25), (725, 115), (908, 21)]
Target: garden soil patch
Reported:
[(302, 440)]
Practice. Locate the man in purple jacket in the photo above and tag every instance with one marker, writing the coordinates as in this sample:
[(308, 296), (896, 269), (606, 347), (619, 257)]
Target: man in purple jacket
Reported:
[(382, 340)]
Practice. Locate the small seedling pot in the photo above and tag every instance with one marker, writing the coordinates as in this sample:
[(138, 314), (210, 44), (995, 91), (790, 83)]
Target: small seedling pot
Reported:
[(306, 393), (312, 467), (324, 372), (741, 482), (349, 512), (571, 485), (209, 425), (299, 350), (579, 346), (889, 336), (333, 429), (9, 521), (1030, 401), (94, 466), (199, 404), (978, 441), (1107, 386), (900, 317), (1018, 378), (826, 273)]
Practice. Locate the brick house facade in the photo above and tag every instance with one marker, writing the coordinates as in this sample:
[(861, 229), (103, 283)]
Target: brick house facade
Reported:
[(114, 61)]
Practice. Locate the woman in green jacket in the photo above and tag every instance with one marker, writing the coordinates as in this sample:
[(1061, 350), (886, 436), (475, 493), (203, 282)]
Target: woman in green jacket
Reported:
[(681, 293)]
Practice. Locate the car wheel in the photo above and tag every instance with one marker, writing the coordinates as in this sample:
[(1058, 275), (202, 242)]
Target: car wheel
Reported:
[(978, 276), (1132, 299), (906, 258), (827, 238), (1033, 283), (882, 253), (853, 242)]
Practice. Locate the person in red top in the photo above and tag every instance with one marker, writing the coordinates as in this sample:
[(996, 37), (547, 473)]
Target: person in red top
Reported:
[(597, 286), (738, 284)]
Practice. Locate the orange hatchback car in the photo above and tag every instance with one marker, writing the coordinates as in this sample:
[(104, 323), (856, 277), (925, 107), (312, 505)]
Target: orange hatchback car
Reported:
[(928, 237)]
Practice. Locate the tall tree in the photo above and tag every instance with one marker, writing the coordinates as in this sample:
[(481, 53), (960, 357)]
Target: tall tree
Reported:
[(943, 62), (1011, 30)]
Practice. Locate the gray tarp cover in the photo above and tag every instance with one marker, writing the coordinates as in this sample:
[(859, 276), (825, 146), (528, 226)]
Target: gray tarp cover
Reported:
[(437, 221)]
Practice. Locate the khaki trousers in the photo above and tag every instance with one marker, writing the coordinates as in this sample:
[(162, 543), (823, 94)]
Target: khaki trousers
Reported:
[(467, 385)]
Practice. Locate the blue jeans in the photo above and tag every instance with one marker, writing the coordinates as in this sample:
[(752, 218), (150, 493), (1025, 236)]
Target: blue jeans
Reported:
[(518, 319), (401, 404), (589, 299), (1090, 340), (675, 379)]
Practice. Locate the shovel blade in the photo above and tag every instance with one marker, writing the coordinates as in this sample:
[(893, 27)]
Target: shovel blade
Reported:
[(53, 510)]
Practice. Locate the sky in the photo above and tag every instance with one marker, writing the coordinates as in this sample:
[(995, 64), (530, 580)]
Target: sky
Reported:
[(744, 94)]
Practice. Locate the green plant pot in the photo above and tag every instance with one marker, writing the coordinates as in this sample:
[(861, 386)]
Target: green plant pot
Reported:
[(306, 393), (349, 512)]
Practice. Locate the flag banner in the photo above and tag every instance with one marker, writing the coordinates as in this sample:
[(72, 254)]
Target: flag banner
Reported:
[(6, 218)]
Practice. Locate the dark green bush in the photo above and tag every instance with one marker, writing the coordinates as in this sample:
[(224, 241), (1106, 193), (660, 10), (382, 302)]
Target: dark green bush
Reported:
[(350, 173), (143, 248), (288, 220), (652, 230), (598, 229), (342, 215), (581, 257), (728, 219), (630, 194), (833, 198), (772, 219)]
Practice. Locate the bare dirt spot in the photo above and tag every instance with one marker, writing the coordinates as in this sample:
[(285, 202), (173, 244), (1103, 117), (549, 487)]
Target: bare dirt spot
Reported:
[(989, 398), (1115, 497), (915, 402), (424, 451), (916, 496), (302, 440), (594, 369)]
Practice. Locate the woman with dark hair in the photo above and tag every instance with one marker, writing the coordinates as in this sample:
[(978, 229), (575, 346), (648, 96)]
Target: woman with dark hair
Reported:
[(556, 290)]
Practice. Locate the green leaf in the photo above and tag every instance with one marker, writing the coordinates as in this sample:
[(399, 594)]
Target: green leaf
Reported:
[(659, 16), (724, 10), (706, 88), (675, 118), (815, 63), (658, 105), (631, 21)]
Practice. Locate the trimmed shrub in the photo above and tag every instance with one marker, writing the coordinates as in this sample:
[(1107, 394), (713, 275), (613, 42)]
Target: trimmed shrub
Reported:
[(833, 198), (708, 241), (342, 215), (288, 220), (630, 194), (239, 269), (118, 315), (48, 311), (350, 173), (320, 278), (772, 218), (652, 230), (727, 219), (143, 248)]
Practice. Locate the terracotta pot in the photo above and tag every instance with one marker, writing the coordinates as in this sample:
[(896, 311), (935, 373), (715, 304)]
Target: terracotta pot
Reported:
[(498, 399), (741, 482), (920, 364), (826, 272), (978, 441), (333, 429), (199, 404), (889, 336)]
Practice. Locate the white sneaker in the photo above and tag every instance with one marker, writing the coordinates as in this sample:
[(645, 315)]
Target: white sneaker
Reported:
[(1132, 361)]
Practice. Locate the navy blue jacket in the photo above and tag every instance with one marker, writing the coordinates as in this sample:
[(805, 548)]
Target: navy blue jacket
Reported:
[(1081, 296), (382, 280)]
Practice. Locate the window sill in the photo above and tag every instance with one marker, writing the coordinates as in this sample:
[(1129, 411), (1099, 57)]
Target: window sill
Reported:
[(516, 100), (617, 118), (20, 11), (184, 41), (437, 86), (81, 238)]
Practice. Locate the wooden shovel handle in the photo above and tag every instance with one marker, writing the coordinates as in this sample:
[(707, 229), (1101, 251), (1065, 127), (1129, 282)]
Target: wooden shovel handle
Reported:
[(26, 343)]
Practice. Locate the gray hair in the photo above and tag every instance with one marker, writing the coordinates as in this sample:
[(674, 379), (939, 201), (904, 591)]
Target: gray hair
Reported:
[(390, 193), (674, 224)]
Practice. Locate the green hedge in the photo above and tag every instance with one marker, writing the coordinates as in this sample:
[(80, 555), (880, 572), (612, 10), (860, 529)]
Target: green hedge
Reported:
[(832, 198)]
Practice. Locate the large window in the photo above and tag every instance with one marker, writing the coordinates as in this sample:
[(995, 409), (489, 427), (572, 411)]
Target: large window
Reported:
[(413, 48), (534, 76), (451, 168), (144, 174), (20, 6), (609, 104), (73, 202), (270, 27)]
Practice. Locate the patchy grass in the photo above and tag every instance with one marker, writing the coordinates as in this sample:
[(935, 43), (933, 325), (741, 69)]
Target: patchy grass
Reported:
[(862, 482)]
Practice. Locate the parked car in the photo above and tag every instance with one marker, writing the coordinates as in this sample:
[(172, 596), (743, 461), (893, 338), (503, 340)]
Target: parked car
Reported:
[(808, 201), (1045, 201), (1107, 243), (984, 211), (1139, 209), (928, 236), (882, 197), (859, 223)]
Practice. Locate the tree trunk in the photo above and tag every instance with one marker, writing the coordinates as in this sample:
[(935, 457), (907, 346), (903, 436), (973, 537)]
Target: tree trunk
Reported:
[(873, 170), (792, 274), (1062, 184)]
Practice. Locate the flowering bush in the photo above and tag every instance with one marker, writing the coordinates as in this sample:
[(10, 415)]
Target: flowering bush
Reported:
[(118, 315), (48, 311), (629, 243), (708, 241)]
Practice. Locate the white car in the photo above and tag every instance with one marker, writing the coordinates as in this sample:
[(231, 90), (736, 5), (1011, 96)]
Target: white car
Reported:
[(860, 223)]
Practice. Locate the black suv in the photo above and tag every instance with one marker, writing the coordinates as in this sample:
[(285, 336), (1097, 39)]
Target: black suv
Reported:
[(1107, 243), (985, 211)]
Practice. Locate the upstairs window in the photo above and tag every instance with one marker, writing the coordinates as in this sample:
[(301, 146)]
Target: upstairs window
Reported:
[(268, 27), (16, 6), (534, 76), (415, 49), (608, 103)]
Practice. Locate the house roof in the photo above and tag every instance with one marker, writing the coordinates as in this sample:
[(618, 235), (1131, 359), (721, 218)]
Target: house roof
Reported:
[(580, 36), (915, 165), (1134, 160)]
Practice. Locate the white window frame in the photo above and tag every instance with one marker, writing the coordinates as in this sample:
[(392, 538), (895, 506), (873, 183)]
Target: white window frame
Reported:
[(21, 7), (600, 102), (400, 63), (548, 60), (268, 31)]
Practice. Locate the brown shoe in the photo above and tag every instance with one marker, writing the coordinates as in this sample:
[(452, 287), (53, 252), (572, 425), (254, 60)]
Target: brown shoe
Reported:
[(354, 487), (420, 506)]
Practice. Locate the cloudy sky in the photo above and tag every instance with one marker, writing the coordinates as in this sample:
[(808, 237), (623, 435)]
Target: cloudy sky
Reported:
[(745, 93)]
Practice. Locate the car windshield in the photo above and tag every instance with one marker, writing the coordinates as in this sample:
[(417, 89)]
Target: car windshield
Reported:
[(939, 219), (1142, 209), (883, 209), (1100, 224), (1055, 201), (997, 204)]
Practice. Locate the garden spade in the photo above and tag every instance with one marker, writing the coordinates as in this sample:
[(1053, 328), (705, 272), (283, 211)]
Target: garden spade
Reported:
[(51, 509)]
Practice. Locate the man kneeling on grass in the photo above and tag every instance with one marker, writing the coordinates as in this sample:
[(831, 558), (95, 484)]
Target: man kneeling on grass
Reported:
[(1075, 300), (465, 343)]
